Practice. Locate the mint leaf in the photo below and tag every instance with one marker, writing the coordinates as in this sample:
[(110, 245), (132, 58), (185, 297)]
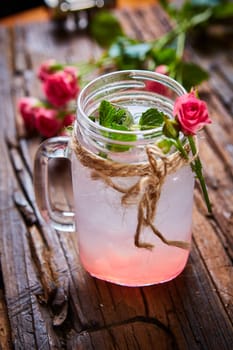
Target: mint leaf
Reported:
[(110, 114), (107, 114), (119, 137), (114, 117), (151, 119)]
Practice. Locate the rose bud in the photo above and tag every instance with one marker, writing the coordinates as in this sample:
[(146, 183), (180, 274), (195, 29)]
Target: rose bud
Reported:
[(171, 128)]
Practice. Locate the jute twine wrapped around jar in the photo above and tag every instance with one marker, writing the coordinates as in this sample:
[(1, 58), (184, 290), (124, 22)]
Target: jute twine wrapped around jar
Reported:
[(145, 193)]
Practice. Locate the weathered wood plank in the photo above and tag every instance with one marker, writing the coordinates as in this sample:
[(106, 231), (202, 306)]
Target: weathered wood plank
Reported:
[(151, 18), (52, 302), (15, 250), (219, 265), (20, 281), (7, 114), (5, 333)]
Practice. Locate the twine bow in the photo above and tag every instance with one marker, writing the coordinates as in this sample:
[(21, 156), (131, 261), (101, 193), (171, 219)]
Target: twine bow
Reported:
[(145, 192)]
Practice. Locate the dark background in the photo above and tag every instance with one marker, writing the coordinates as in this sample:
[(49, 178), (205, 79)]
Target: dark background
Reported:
[(14, 6)]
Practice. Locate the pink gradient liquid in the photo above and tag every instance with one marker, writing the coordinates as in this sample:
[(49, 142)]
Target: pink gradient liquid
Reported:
[(106, 230)]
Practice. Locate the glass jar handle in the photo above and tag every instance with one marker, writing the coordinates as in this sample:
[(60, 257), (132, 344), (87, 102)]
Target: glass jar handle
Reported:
[(56, 147)]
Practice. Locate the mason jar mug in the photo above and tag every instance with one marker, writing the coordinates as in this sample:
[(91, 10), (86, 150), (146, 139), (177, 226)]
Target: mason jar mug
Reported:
[(133, 204)]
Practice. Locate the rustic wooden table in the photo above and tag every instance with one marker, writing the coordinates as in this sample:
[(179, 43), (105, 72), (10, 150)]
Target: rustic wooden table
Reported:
[(47, 301)]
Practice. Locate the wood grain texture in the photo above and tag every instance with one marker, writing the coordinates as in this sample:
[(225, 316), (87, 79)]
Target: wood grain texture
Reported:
[(47, 300)]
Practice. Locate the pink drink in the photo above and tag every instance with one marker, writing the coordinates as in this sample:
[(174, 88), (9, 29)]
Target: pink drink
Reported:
[(106, 230)]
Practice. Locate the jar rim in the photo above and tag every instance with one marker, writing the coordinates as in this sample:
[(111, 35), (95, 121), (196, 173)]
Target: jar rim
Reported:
[(134, 76)]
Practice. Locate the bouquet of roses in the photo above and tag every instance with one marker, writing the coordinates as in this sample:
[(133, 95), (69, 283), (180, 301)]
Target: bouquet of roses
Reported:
[(53, 115)]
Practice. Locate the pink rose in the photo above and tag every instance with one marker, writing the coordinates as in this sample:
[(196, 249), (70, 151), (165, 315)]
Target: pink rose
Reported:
[(68, 119), (61, 87), (46, 69), (27, 107), (156, 87), (191, 113), (47, 122)]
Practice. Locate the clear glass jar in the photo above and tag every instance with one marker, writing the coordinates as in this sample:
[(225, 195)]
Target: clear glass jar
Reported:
[(110, 239)]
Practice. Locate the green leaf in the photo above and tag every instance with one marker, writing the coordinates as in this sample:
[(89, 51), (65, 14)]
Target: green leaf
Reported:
[(201, 18), (116, 118), (105, 28), (165, 56), (56, 67), (118, 46), (221, 12), (129, 47), (192, 74), (164, 3), (151, 119), (103, 155), (128, 53), (110, 114), (120, 137), (138, 51), (92, 117), (165, 145)]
